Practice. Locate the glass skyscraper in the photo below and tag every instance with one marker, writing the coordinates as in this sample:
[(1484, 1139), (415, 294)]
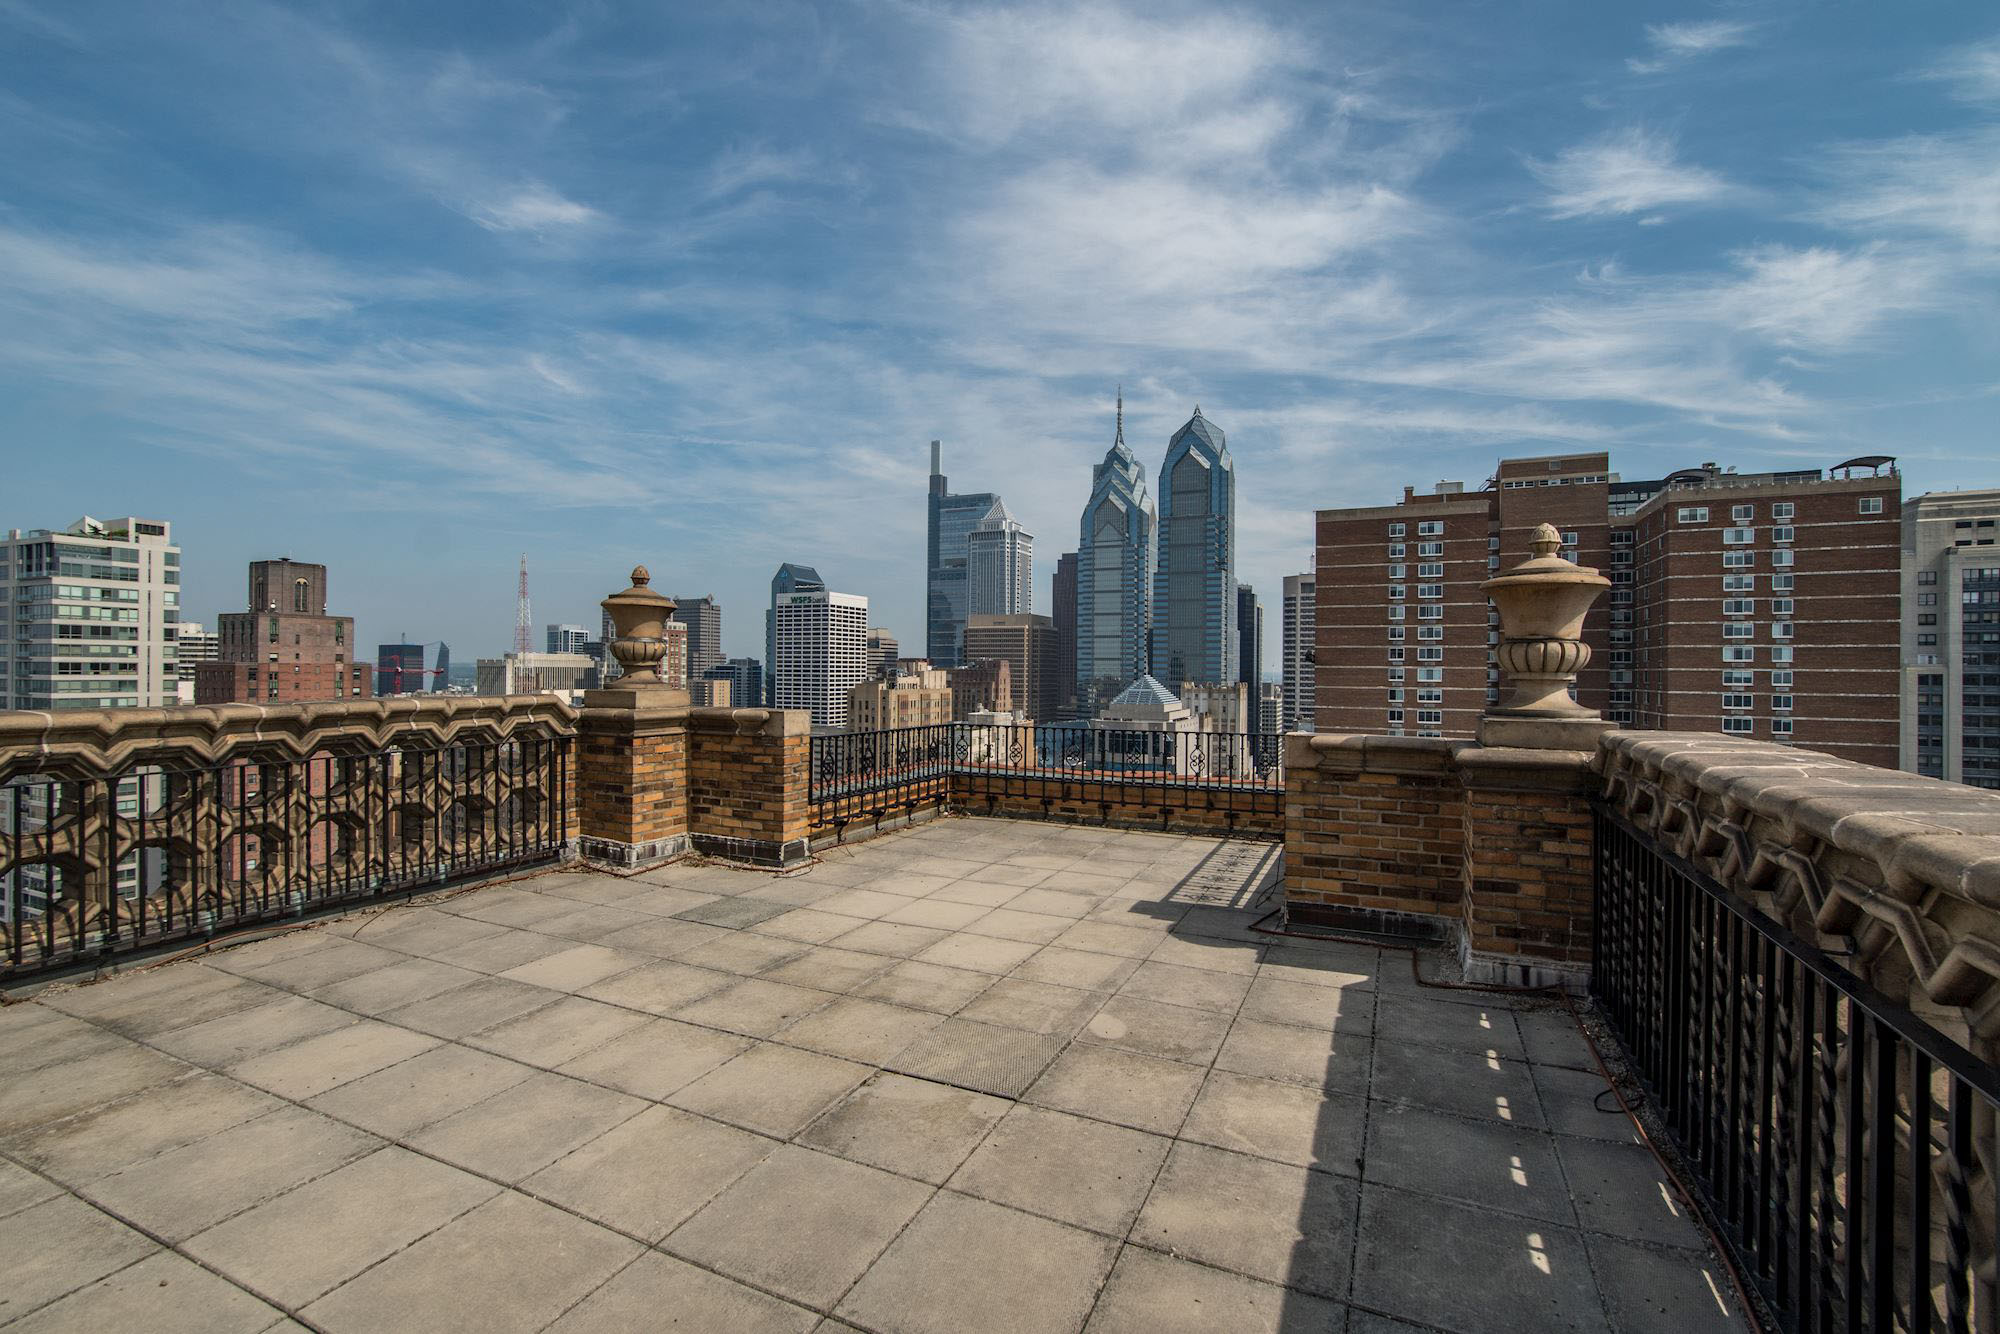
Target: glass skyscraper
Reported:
[(948, 600), (1194, 585), (789, 579), (1114, 577), (999, 567)]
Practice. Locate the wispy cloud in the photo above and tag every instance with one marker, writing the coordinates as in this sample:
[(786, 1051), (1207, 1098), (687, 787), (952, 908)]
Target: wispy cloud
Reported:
[(1633, 170), (532, 208), (1942, 186), (1677, 43), (1972, 71)]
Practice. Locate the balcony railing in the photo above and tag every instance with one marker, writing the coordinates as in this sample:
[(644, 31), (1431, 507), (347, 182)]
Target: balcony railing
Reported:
[(1835, 1136), (1227, 780), (122, 832)]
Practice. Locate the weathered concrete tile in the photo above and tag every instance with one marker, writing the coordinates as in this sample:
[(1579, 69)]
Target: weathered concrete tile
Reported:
[(1001, 1061), (58, 1246), (1620, 1189), (1169, 1032), (426, 1088), (867, 904), (650, 1174), (1549, 1037), (658, 988), (926, 986), (860, 1030), (557, 1033), (1020, 877), (661, 900), (336, 963), (20, 1188), (658, 1286), (1274, 1001), (753, 1007), (947, 867), (1338, 1062), (1285, 1122), (308, 1241), (467, 1009), (33, 1037), (745, 953), (1570, 1102), (1473, 1028), (596, 923), (792, 892), (183, 1191), (1084, 969), (1324, 964), (937, 913), (1033, 928), (1034, 1006), (912, 1127), (1220, 924), (974, 892), (1534, 1276), (1470, 1084), (810, 926), (909, 884), (39, 1097), (1285, 1225), (801, 1224), (1647, 1291), (829, 968), (575, 968), (667, 937), (968, 1267), (771, 1089), (1196, 988), (896, 939), (1486, 1163), (383, 989), (422, 931), (508, 906), (162, 1294), (488, 1288), (1150, 1293), (325, 1062), (979, 954), (1119, 1086), (222, 1042), (1051, 903), (142, 1004), (1085, 1173), (661, 1057), (523, 1129), (119, 1134)]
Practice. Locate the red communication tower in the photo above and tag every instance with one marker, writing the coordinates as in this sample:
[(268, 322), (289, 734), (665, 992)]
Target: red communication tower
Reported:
[(523, 619)]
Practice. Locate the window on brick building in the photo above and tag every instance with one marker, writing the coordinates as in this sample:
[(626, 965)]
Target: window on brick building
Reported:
[(1691, 514), (1871, 504)]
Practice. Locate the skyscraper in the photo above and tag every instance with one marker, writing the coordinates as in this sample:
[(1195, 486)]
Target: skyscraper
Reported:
[(93, 608), (820, 653), (1298, 651), (284, 647), (1063, 596), (790, 578), (1249, 638), (1951, 636), (567, 638), (1114, 576), (999, 567), (883, 650), (1026, 644), (745, 677), (703, 618), (947, 601), (1194, 587)]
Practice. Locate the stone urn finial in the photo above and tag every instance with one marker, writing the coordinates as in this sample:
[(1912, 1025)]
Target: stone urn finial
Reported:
[(1542, 602), (639, 616)]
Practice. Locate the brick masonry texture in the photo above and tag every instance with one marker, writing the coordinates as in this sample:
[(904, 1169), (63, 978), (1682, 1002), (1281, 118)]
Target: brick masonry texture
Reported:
[(746, 778)]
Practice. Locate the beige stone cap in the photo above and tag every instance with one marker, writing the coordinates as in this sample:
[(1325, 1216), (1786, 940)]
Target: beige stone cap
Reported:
[(752, 721), (1520, 769), (1858, 808), (1356, 752)]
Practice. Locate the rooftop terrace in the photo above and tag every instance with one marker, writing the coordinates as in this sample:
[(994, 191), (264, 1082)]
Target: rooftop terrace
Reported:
[(976, 1075)]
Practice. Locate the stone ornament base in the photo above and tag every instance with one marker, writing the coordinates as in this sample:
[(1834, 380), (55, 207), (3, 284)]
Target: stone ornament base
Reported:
[(1529, 732), (631, 856)]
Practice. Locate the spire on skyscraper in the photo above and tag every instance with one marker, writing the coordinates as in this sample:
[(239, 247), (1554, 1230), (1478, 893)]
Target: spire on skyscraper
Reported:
[(1121, 416)]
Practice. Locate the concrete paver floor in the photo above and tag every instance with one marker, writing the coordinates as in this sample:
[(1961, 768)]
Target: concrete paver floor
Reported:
[(982, 1075)]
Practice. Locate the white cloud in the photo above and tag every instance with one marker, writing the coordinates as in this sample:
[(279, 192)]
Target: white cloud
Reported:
[(1626, 171), (1973, 71), (531, 208), (1944, 186), (1676, 43)]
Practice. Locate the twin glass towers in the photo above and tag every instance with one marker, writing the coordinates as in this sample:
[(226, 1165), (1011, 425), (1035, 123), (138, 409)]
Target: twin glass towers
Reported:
[(1156, 588)]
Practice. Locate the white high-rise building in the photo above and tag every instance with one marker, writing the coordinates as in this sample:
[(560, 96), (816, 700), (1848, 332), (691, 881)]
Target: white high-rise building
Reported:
[(819, 652), (999, 566), (87, 616), (568, 639), (194, 643), (1297, 652)]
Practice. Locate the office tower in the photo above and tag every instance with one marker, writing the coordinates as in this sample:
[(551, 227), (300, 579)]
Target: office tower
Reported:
[(1299, 650), (567, 638), (1951, 637), (709, 692), (1249, 638), (703, 618), (1270, 707), (745, 677), (883, 650), (947, 597), (999, 566), (1063, 598), (1027, 644), (1756, 605), (90, 609), (906, 701), (820, 653), (1194, 583), (1116, 547), (411, 669), (536, 674), (789, 579), (284, 648), (1227, 707), (194, 644), (983, 684)]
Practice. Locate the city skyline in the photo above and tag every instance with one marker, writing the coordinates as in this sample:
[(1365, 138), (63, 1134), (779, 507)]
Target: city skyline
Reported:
[(475, 289)]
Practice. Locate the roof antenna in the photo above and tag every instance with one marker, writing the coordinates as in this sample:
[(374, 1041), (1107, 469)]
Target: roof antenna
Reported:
[(1121, 416)]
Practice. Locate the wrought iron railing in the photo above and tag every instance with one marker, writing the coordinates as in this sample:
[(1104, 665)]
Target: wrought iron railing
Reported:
[(1844, 1145), (866, 776), (110, 848)]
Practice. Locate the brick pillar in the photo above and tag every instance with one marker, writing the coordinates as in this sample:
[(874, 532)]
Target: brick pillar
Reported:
[(631, 776), (1526, 906), (747, 795)]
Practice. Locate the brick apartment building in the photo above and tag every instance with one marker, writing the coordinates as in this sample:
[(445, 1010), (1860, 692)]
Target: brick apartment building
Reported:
[(285, 647), (1758, 605)]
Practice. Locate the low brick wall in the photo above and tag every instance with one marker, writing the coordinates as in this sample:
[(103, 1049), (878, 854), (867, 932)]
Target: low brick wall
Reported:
[(1206, 811), (1528, 844), (746, 783)]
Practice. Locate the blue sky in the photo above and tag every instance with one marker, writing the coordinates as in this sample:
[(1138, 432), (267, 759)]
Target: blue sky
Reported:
[(413, 289)]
